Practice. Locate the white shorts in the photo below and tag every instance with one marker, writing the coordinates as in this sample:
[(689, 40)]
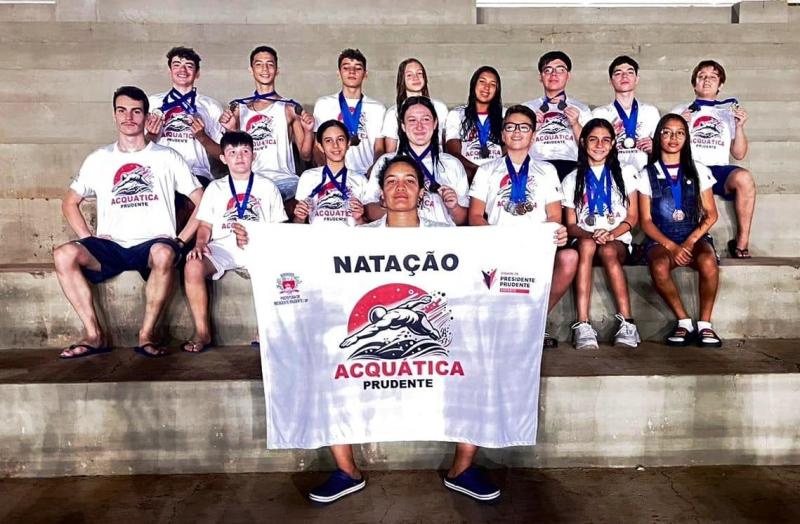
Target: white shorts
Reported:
[(224, 258)]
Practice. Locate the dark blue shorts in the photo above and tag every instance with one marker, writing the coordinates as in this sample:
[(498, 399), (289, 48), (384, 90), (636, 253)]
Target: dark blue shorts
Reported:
[(564, 167), (721, 173), (114, 259)]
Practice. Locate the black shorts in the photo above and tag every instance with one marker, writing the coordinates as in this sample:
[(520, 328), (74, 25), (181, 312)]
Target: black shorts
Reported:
[(114, 259), (564, 167)]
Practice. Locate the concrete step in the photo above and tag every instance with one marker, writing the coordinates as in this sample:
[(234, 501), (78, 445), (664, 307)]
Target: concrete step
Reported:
[(757, 299), (121, 414), (659, 87), (92, 122), (605, 15), (321, 55), (661, 31), (48, 169)]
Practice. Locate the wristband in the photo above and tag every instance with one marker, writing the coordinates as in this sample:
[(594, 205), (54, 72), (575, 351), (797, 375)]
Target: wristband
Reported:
[(630, 227)]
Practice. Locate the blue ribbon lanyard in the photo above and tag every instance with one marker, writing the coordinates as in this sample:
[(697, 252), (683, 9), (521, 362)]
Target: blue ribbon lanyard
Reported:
[(175, 99), (350, 120), (628, 122), (240, 209), (328, 174), (562, 104), (272, 96), (484, 129), (421, 162), (519, 180), (598, 192), (675, 185), (697, 104)]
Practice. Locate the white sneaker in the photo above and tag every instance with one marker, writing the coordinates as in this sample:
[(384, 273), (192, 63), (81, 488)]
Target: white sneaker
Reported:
[(584, 336), (627, 334)]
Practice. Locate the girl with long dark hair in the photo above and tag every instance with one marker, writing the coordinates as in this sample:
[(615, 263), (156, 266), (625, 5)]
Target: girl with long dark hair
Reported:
[(601, 209), (412, 80), (677, 209), (474, 130), (444, 198)]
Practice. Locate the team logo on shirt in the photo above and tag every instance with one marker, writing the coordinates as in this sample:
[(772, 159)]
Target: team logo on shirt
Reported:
[(401, 333), (330, 205), (133, 186), (177, 125), (252, 210), (555, 129), (707, 132), (260, 127)]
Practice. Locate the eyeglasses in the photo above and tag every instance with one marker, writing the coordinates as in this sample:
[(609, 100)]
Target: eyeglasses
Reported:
[(668, 133), (558, 70), (510, 127)]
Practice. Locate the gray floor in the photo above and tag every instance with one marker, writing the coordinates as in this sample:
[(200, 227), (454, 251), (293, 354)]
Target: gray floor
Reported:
[(702, 494)]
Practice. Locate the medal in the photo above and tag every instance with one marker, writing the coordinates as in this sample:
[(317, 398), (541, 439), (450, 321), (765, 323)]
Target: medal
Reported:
[(232, 106), (598, 195), (484, 151), (351, 119), (518, 199), (629, 143), (159, 113), (546, 101), (610, 219), (354, 140), (590, 219), (484, 129), (528, 207), (562, 105), (678, 215), (520, 209), (629, 122)]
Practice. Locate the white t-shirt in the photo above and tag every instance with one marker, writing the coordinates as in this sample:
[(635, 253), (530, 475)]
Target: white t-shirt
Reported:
[(359, 158), (328, 206), (271, 144), (177, 131), (135, 191), (218, 208), (470, 144), (390, 127), (712, 129), (423, 222), (646, 123), (554, 139), (492, 185), (618, 208), (449, 172), (705, 178)]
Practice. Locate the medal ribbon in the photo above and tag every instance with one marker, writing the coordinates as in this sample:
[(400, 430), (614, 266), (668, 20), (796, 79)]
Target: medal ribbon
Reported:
[(484, 128), (697, 104), (519, 180), (175, 99), (598, 192), (628, 122), (341, 186), (272, 96), (547, 101), (675, 185), (240, 209), (350, 120), (420, 161)]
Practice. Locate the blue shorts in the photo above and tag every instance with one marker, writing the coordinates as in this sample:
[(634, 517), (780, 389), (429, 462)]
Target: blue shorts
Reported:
[(721, 174), (114, 259)]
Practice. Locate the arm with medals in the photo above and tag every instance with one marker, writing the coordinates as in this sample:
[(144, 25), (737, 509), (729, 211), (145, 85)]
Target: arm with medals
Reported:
[(739, 144)]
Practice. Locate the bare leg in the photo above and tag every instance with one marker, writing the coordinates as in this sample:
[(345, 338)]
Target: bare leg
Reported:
[(583, 279), (157, 291), (465, 454), (741, 183), (661, 267), (69, 258), (194, 276), (564, 268), (612, 255), (705, 261), (343, 456)]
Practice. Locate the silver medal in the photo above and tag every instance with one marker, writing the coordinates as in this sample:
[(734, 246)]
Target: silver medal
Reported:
[(678, 215), (590, 220), (629, 142), (610, 219)]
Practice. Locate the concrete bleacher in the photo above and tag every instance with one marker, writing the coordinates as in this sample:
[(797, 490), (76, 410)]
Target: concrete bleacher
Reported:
[(59, 64)]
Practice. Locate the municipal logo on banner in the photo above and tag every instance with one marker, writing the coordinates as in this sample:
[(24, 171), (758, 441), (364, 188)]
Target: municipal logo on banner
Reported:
[(288, 285), (133, 186), (508, 281), (398, 336)]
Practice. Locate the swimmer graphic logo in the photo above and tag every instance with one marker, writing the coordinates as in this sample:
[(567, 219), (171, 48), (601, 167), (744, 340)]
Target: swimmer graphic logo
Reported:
[(133, 186)]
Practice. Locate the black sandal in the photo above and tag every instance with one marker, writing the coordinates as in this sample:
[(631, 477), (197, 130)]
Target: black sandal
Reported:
[(735, 252), (708, 338), (680, 337), (549, 342)]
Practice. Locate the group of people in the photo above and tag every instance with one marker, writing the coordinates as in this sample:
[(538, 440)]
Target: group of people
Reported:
[(598, 174)]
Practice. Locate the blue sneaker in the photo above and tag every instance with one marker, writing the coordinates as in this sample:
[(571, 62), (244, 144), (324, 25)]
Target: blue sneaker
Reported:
[(473, 483), (337, 486)]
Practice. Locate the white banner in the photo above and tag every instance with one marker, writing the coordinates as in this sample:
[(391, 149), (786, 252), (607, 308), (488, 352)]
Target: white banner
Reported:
[(396, 334)]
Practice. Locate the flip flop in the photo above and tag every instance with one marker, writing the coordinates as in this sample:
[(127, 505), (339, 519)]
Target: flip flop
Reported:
[(199, 348), (255, 344), (142, 351), (90, 350), (735, 252)]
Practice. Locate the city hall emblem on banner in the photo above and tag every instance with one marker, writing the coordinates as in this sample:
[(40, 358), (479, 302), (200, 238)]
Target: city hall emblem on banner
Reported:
[(288, 285)]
